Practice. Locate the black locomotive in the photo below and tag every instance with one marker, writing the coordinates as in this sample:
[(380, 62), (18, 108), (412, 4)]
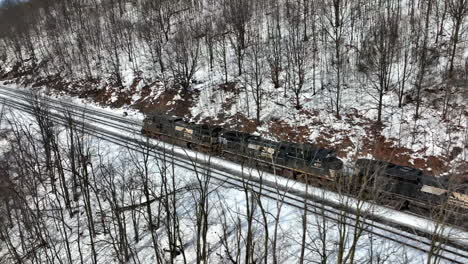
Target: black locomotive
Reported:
[(408, 186), (290, 159), (411, 187)]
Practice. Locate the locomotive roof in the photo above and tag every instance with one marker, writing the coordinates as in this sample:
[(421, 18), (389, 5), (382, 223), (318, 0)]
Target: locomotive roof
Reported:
[(390, 169), (200, 127), (166, 118), (433, 181), (239, 136), (261, 141), (311, 151)]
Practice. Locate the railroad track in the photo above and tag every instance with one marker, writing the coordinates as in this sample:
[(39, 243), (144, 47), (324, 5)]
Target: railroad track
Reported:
[(451, 252)]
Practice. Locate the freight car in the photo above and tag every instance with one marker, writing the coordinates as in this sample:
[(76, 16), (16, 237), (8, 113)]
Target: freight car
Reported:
[(289, 159)]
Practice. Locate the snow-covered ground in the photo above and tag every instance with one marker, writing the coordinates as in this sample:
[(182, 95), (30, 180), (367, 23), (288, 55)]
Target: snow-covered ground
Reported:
[(227, 212)]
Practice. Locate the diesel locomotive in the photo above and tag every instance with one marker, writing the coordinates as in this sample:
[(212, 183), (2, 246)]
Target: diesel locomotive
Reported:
[(412, 188), (286, 158)]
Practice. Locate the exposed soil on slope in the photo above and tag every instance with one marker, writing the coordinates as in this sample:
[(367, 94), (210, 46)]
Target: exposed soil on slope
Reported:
[(175, 101)]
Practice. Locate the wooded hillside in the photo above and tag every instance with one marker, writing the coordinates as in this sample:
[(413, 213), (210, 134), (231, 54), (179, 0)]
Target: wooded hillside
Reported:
[(379, 78)]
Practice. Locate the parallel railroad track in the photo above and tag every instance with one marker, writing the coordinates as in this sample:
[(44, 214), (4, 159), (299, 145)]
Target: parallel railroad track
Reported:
[(452, 252)]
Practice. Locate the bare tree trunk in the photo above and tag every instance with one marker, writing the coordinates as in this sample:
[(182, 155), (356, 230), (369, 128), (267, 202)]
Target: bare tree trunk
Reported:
[(423, 60)]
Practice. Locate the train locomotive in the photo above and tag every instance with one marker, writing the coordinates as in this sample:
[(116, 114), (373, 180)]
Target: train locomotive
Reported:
[(410, 187), (305, 162), (286, 158)]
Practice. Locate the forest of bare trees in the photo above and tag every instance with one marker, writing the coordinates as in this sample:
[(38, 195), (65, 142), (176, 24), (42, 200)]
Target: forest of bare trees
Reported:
[(297, 46)]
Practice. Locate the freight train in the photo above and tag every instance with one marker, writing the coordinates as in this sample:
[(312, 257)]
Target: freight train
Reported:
[(305, 162)]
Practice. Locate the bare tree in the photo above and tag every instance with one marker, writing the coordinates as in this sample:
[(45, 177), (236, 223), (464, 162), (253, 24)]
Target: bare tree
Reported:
[(255, 72), (298, 57), (153, 32), (183, 56), (169, 203), (404, 53), (201, 190), (336, 13), (423, 59), (274, 45), (142, 161), (379, 50), (457, 9), (237, 14), (115, 192)]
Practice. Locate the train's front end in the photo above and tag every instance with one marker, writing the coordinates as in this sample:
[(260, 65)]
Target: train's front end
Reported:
[(326, 161)]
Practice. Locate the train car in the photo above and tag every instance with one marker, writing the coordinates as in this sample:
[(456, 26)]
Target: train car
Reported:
[(459, 198), (438, 191), (201, 134), (234, 140), (154, 125), (176, 131), (310, 159), (293, 159), (399, 186), (411, 186), (391, 184)]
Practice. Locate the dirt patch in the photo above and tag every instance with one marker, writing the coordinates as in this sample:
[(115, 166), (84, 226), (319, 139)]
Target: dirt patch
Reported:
[(353, 117), (285, 132), (324, 140), (174, 101), (309, 112), (381, 148), (122, 96), (336, 140), (241, 123), (313, 115), (386, 149), (344, 146)]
